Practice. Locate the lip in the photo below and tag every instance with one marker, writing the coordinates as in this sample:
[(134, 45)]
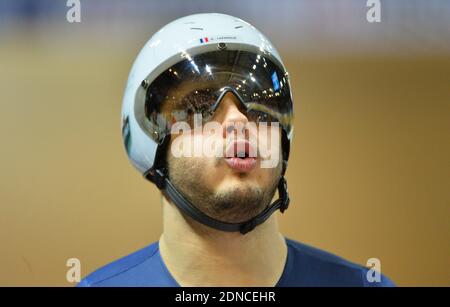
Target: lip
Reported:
[(243, 165), (240, 164)]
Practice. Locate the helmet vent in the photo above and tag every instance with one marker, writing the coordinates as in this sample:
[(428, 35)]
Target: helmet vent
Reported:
[(196, 28), (238, 27)]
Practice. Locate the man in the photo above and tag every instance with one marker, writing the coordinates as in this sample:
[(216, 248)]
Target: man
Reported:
[(207, 117)]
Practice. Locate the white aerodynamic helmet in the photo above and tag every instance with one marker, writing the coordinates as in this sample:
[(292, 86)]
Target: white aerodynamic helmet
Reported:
[(214, 54)]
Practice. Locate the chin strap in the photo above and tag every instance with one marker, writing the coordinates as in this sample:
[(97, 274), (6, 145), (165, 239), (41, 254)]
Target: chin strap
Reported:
[(159, 177)]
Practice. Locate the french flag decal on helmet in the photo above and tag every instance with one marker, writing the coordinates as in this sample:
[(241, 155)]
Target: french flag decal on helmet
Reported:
[(203, 40)]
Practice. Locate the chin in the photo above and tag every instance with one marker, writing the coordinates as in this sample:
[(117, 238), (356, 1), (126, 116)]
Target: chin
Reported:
[(237, 184)]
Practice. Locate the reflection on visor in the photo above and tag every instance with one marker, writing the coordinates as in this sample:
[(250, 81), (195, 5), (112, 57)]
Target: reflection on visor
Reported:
[(196, 85)]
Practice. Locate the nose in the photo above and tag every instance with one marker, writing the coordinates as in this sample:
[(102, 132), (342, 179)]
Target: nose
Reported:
[(231, 114)]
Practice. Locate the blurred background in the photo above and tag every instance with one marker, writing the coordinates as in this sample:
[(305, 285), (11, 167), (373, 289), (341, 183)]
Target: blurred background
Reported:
[(369, 173)]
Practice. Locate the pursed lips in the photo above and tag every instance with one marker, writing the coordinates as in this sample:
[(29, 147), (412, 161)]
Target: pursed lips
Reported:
[(241, 155)]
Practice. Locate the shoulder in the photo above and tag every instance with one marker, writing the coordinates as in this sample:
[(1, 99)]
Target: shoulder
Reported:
[(124, 271), (317, 267)]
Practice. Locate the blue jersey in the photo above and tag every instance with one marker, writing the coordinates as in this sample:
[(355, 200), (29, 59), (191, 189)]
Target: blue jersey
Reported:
[(305, 266)]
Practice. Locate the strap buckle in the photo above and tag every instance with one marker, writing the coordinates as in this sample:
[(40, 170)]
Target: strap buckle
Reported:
[(247, 226), (156, 176)]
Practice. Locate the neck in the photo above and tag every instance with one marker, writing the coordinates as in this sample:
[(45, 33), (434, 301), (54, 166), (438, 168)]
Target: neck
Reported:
[(197, 255)]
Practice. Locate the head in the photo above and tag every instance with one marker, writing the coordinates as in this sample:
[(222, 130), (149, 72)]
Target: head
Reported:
[(224, 69)]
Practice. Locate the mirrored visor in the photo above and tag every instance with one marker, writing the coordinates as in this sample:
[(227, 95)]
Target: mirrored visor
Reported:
[(197, 83)]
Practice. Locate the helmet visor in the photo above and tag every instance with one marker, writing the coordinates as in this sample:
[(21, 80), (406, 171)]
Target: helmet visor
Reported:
[(197, 83)]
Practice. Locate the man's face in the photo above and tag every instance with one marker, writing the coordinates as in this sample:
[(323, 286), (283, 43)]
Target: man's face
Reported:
[(228, 187)]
